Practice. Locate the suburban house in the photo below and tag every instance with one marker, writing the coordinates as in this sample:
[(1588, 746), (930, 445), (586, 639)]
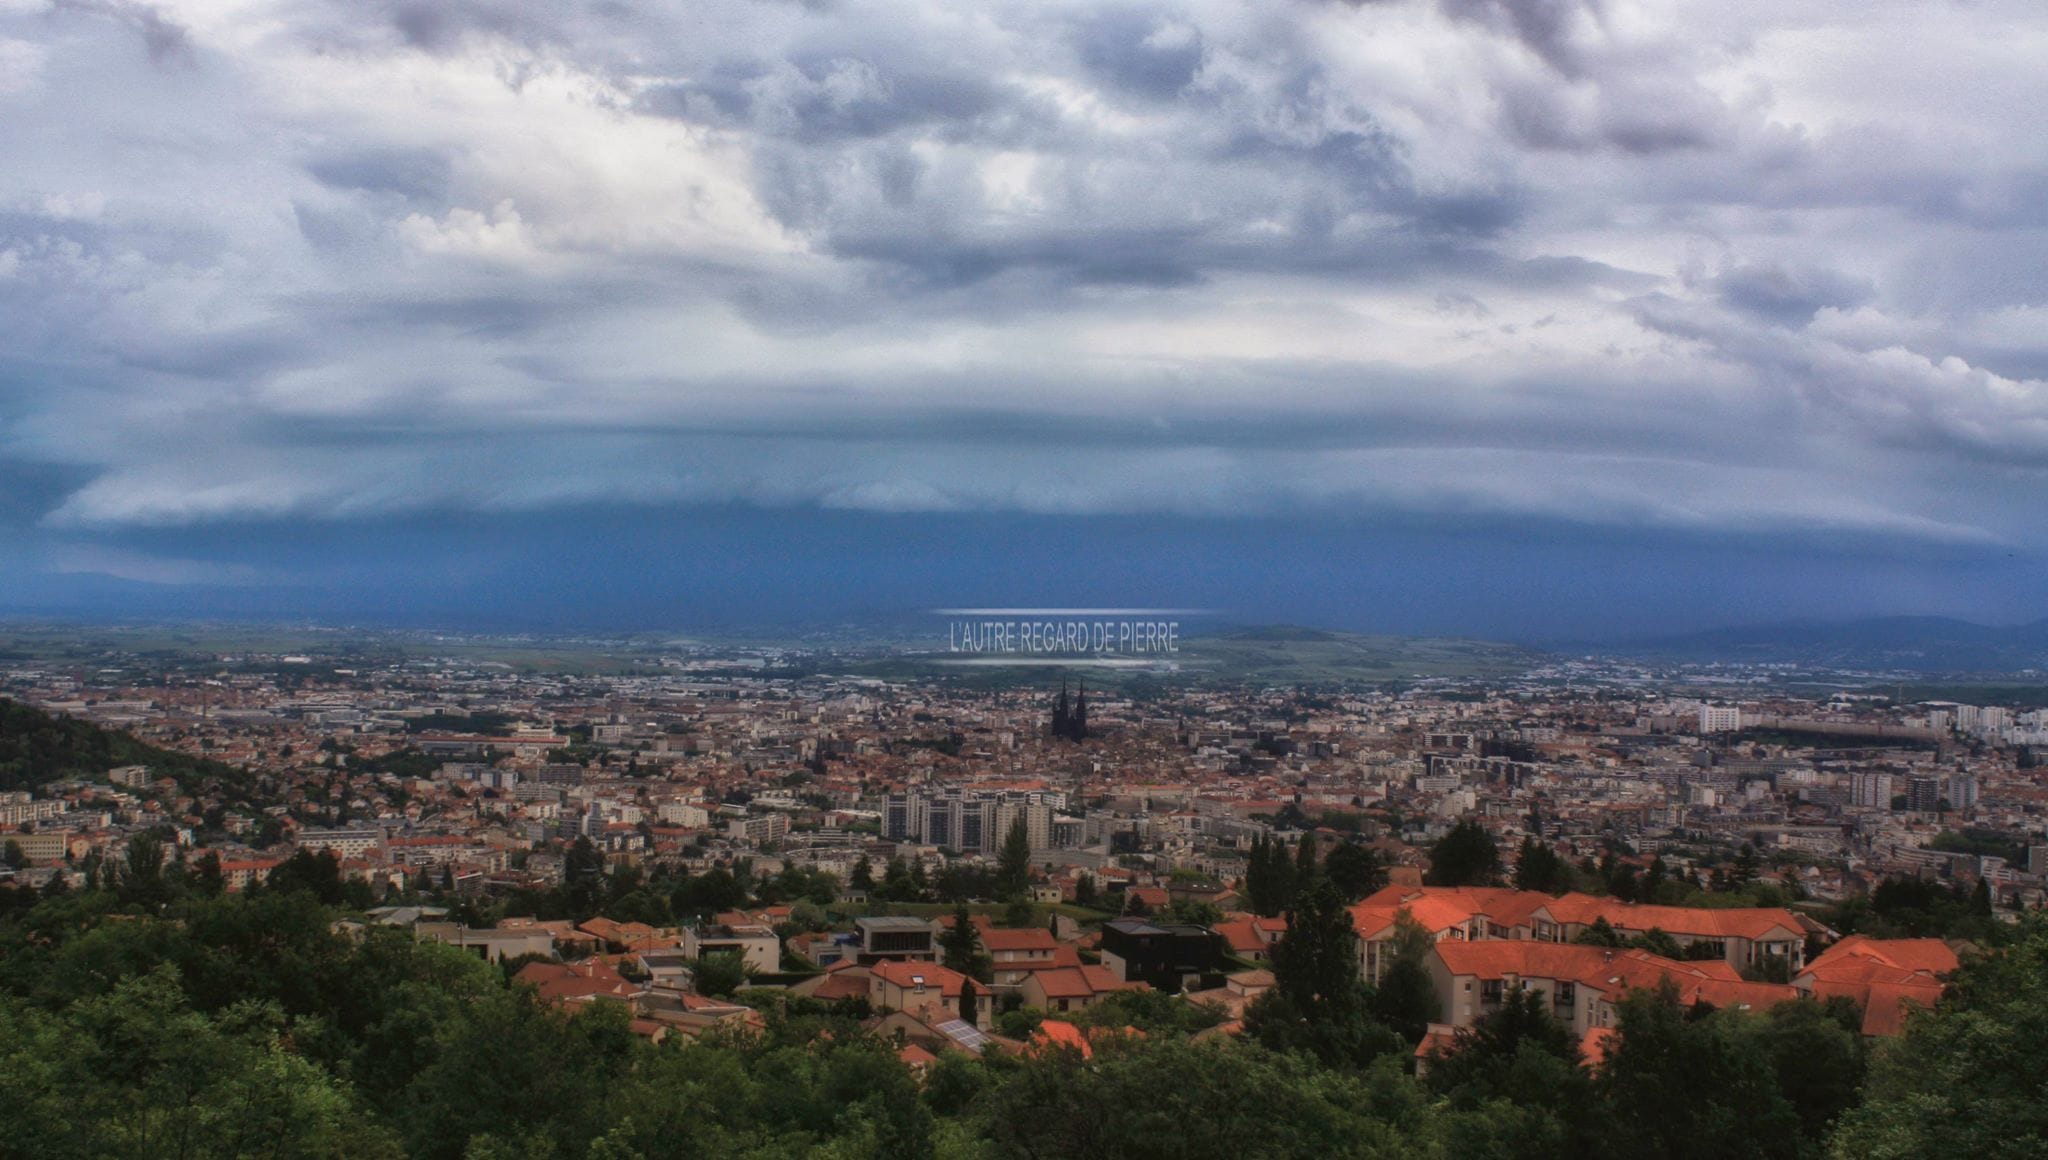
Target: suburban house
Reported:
[(493, 944), (1170, 957), (926, 991), (898, 938), (1584, 984), (1742, 937), (757, 945), (842, 980), (1071, 988), (1017, 953), (562, 982), (1251, 937), (626, 936), (1885, 977)]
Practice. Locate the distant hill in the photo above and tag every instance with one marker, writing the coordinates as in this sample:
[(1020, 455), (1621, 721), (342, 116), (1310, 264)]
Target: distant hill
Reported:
[(37, 748), (1290, 655), (1929, 644), (1284, 655)]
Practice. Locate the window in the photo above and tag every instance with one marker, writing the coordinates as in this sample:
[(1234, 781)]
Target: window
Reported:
[(1566, 994), (1492, 990)]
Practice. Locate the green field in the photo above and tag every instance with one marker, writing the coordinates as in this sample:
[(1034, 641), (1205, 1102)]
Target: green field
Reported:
[(1247, 657)]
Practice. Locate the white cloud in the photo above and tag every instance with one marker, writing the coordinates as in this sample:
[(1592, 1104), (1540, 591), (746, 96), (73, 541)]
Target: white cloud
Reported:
[(1712, 268)]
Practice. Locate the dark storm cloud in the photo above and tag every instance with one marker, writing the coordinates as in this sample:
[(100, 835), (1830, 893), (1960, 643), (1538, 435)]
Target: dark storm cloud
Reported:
[(1139, 50), (1590, 264), (1786, 296)]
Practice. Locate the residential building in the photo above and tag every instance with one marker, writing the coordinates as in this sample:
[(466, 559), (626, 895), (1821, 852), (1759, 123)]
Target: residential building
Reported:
[(1583, 984), (898, 938), (757, 946), (1169, 957)]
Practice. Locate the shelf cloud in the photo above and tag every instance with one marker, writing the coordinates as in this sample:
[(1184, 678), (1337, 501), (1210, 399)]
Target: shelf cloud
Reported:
[(1755, 268)]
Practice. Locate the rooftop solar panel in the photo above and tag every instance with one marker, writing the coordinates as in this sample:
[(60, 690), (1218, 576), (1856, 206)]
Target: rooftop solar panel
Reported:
[(965, 1034)]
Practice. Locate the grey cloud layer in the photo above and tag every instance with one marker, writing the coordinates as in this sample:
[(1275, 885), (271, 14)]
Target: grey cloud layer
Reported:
[(1730, 268)]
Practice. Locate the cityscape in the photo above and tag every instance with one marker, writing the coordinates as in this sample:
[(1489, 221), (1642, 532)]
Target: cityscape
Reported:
[(719, 839), (1023, 580)]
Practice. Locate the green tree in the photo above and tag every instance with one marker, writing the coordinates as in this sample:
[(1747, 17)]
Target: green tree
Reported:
[(1658, 942), (1519, 1055), (1318, 1004), (1817, 1055), (583, 884), (142, 871), (318, 873), (1013, 863), (1166, 1099), (1691, 1089), (1655, 881), (720, 974), (960, 948), (1268, 879), (1356, 870), (1523, 1018), (1600, 934), (1537, 867), (1969, 1078), (206, 880), (1746, 865), (1405, 999), (1466, 856)]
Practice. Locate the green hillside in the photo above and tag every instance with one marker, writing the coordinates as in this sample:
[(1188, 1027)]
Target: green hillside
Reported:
[(37, 748)]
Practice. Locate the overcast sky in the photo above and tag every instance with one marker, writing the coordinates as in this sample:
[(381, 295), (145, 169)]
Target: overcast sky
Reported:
[(1502, 316)]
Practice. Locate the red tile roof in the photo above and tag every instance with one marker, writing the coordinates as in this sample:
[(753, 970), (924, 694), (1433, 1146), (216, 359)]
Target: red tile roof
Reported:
[(557, 982), (1885, 976), (1608, 971), (1438, 908), (1060, 1033), (944, 980), (1028, 939)]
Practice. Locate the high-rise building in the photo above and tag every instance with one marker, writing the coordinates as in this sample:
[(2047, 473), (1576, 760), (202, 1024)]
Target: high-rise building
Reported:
[(1923, 793), (1720, 719), (972, 823), (1870, 790), (1963, 790)]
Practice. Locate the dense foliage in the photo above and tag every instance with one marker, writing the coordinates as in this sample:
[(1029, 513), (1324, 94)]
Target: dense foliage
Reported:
[(37, 748), (156, 1016)]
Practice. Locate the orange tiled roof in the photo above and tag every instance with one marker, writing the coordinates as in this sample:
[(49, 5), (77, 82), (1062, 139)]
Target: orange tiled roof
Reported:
[(1611, 972), (1242, 936), (557, 982), (1028, 939), (1060, 1033), (1931, 955), (1884, 976), (944, 980), (1438, 908)]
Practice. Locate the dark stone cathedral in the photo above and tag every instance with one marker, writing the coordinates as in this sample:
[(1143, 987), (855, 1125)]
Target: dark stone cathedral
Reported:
[(1071, 723)]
